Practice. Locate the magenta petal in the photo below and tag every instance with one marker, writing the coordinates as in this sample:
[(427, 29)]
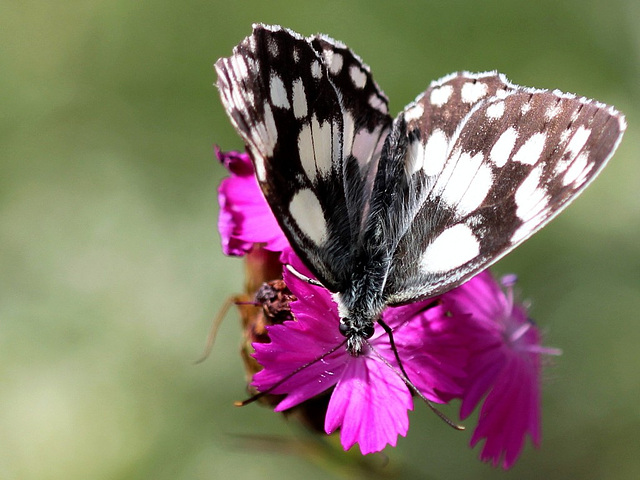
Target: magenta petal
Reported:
[(293, 346), (434, 348), (510, 411), (245, 217), (504, 369), (482, 297), (482, 379), (369, 405), (300, 344)]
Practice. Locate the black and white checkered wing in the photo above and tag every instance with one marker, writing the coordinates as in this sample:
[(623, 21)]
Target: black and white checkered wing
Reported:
[(314, 122), (414, 152), (515, 159)]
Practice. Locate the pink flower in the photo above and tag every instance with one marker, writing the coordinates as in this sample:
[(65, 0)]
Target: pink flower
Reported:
[(245, 217), (369, 402), (504, 367), (476, 344)]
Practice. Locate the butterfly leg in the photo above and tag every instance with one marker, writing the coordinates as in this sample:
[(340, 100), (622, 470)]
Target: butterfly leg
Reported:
[(303, 277)]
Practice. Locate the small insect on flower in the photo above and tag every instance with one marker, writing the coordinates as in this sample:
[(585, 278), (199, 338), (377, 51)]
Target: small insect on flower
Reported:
[(384, 212)]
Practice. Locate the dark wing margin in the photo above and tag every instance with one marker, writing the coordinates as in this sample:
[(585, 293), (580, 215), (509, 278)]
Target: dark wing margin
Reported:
[(515, 160), (313, 121)]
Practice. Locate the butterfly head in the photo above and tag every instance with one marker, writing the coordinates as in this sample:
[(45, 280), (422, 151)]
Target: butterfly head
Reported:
[(356, 333)]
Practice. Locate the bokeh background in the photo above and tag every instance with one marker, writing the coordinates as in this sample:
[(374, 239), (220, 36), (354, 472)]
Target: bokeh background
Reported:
[(110, 258)]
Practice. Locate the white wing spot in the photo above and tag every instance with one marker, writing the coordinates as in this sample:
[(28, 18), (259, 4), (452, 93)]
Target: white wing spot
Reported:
[(478, 190), (239, 66), (531, 197), (334, 140), (250, 98), (296, 54), (278, 92), (299, 99), (583, 175), (525, 108), (261, 172), (502, 149), (495, 110), (576, 169), (472, 92), (348, 130), (414, 113), (272, 45), (502, 93), (440, 96), (316, 70), (252, 64), (574, 116), (527, 228), (336, 63), (578, 140), (266, 132), (552, 111), (451, 249), (358, 77), (529, 152), (307, 213), (316, 147), (328, 56), (237, 98), (414, 157), (469, 183), (305, 150), (364, 145), (435, 152), (376, 102), (532, 205)]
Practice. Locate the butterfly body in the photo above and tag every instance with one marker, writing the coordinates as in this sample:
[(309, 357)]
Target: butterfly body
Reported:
[(360, 305), (384, 212)]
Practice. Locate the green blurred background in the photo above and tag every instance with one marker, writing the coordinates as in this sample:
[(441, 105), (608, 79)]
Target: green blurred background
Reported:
[(112, 268)]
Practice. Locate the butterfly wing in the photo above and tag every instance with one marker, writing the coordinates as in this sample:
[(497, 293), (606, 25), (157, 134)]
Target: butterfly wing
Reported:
[(415, 150), (474, 192), (314, 122)]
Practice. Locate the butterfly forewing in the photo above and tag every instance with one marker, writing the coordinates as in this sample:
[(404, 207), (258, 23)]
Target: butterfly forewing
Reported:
[(515, 161), (366, 122), (314, 122)]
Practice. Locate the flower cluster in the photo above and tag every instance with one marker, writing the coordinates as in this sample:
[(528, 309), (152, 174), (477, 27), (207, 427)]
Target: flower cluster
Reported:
[(472, 343)]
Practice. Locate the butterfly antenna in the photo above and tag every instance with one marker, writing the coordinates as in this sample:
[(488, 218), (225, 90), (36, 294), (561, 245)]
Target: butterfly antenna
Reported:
[(259, 395), (403, 374), (215, 325)]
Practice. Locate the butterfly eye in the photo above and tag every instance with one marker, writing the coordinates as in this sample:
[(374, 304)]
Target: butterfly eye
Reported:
[(367, 332), (344, 328)]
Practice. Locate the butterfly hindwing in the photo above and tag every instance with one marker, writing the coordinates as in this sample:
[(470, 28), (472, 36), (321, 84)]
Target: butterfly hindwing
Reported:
[(515, 161), (314, 122)]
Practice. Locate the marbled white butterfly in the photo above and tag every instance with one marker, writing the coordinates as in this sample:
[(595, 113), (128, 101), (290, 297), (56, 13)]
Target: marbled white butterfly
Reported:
[(387, 211)]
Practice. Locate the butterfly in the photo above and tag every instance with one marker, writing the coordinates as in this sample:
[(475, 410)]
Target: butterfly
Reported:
[(386, 211)]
